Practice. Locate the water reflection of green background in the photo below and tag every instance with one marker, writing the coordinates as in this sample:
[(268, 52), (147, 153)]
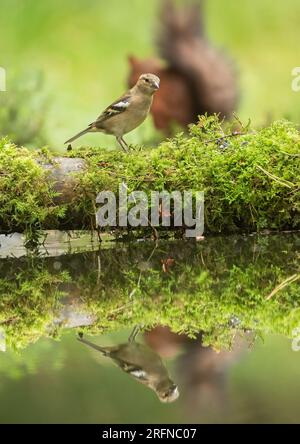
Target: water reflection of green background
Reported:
[(64, 382)]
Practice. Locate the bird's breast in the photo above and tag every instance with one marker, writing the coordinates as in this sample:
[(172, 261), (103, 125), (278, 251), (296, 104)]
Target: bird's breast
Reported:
[(137, 113), (130, 119)]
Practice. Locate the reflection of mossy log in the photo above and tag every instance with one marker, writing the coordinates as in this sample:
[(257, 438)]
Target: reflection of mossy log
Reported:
[(250, 179), (219, 286)]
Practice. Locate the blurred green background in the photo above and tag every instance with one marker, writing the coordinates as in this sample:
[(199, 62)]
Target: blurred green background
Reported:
[(68, 383), (81, 48)]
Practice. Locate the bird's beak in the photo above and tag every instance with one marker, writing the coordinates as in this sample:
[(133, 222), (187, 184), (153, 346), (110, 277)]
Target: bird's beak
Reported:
[(175, 395), (156, 85)]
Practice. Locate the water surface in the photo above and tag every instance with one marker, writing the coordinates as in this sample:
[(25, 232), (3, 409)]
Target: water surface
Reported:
[(219, 316)]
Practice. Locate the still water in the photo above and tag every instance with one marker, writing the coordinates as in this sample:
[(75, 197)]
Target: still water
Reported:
[(215, 331)]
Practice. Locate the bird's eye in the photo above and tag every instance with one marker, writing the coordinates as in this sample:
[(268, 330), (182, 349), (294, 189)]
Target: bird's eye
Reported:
[(147, 80)]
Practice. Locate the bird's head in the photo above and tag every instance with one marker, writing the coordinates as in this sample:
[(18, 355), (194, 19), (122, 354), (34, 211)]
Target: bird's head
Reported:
[(169, 393), (148, 83)]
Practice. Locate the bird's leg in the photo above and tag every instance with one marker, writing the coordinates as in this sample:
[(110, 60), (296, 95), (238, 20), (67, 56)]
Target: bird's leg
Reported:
[(134, 333), (123, 144)]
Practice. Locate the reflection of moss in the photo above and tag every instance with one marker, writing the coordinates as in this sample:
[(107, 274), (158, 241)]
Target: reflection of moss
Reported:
[(29, 298), (219, 286), (251, 181)]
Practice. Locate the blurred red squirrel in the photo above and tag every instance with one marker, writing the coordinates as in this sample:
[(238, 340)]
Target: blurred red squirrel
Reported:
[(195, 77)]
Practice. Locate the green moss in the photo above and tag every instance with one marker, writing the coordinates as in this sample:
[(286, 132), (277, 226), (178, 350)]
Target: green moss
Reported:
[(29, 298), (251, 179), (26, 196)]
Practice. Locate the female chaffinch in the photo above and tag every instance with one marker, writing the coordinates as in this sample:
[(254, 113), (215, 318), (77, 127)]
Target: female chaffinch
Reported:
[(142, 363), (126, 113)]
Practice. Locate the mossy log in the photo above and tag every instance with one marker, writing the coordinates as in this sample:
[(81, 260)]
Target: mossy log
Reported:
[(251, 179)]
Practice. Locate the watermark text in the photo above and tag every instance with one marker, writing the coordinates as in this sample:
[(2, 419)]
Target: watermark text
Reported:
[(2, 79), (296, 79), (160, 208)]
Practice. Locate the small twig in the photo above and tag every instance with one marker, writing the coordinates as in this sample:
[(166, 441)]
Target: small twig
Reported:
[(202, 259), (219, 139), (98, 269), (118, 309), (8, 321), (283, 284), (283, 182), (155, 232), (135, 178), (290, 154), (293, 191), (245, 128)]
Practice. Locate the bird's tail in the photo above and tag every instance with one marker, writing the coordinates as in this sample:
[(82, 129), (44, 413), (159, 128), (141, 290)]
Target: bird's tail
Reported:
[(87, 130), (103, 350)]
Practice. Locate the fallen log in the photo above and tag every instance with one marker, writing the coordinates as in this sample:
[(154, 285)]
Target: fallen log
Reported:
[(251, 180)]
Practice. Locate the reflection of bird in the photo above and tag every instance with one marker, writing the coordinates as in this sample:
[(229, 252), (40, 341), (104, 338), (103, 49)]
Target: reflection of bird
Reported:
[(195, 78), (143, 364), (126, 113), (202, 371)]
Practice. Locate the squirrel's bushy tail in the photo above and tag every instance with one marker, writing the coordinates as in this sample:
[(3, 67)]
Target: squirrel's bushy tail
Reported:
[(182, 43)]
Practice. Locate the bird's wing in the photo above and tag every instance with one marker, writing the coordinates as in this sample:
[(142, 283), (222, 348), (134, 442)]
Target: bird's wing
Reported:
[(135, 371), (118, 107)]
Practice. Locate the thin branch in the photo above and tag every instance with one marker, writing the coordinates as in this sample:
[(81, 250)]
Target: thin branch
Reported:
[(219, 139), (10, 320), (284, 284), (290, 154), (282, 182)]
